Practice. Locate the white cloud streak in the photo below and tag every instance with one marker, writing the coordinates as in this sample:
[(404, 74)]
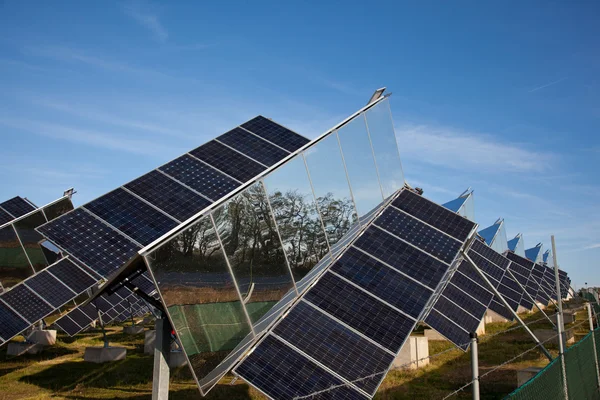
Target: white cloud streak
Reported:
[(546, 85), (142, 13)]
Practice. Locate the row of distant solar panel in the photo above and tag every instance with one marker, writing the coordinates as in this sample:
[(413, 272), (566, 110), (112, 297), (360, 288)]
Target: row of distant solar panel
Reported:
[(14, 208), (107, 232), (348, 327)]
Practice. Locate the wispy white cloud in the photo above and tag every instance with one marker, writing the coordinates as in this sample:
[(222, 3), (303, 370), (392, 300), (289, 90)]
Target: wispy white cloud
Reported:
[(546, 85), (592, 246), (457, 149), (145, 14)]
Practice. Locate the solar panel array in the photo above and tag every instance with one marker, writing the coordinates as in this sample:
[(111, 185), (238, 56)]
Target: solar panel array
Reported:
[(14, 208), (522, 269), (40, 295), (346, 330)]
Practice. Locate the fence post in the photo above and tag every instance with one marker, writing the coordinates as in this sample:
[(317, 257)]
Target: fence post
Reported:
[(474, 365), (589, 309), (559, 321)]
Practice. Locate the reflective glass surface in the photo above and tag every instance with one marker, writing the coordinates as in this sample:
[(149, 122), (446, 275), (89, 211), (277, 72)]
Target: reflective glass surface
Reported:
[(360, 164), (14, 266), (57, 209), (200, 295), (298, 221), (383, 137), (30, 238), (331, 188), (247, 230)]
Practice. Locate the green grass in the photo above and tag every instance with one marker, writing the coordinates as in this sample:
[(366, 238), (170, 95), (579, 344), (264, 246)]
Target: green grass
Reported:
[(60, 372)]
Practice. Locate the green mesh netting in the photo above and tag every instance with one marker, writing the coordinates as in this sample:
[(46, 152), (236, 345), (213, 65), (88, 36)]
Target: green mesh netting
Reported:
[(582, 380), (546, 385), (589, 297)]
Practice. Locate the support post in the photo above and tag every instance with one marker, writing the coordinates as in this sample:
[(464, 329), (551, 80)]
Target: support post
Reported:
[(589, 309), (559, 321), (474, 365), (162, 349), (530, 298), (102, 326), (505, 303)]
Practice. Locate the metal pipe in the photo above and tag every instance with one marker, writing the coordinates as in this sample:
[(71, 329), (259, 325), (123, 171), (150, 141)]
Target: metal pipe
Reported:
[(560, 325), (589, 309), (474, 365), (530, 298), (505, 303)]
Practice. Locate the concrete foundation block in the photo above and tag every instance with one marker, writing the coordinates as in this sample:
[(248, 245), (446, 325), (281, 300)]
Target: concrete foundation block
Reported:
[(569, 317), (177, 359), (415, 348), (523, 375), (432, 334), (20, 348), (133, 330), (149, 340), (491, 316), (545, 334), (522, 310), (100, 355), (45, 337), (481, 328), (541, 305)]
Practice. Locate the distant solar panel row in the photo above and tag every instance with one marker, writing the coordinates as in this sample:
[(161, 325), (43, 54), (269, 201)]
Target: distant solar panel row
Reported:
[(348, 328), (37, 297), (14, 208), (107, 232)]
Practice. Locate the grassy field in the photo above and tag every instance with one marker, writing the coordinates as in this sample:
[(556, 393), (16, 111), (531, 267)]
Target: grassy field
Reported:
[(60, 372)]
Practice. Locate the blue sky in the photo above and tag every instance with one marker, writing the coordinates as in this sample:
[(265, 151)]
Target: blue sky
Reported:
[(503, 98)]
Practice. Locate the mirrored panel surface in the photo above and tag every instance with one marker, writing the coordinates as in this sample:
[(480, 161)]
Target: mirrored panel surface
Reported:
[(247, 229), (362, 172), (383, 137), (14, 266), (298, 221), (59, 208), (328, 177), (30, 238), (200, 295)]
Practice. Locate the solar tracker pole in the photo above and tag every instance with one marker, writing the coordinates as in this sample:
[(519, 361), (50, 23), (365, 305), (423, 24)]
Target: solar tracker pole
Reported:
[(475, 365), (505, 303), (589, 309), (104, 338), (530, 298), (162, 349), (561, 327)]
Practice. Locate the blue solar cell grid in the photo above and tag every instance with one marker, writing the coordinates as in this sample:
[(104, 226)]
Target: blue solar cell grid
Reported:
[(488, 267), (50, 288), (200, 177), (449, 329), (5, 217), (168, 195), (131, 216), (72, 276), (68, 325), (229, 161), (466, 301), (275, 133), (470, 286), (90, 241), (10, 323), (489, 253), (17, 206), (26, 303), (254, 147)]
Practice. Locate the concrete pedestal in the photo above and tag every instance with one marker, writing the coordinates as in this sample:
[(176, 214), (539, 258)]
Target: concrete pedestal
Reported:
[(177, 359), (545, 334), (20, 348), (481, 328), (415, 348), (100, 355), (522, 309), (149, 341), (133, 330), (432, 334), (491, 316), (542, 306), (45, 337), (523, 375), (569, 317)]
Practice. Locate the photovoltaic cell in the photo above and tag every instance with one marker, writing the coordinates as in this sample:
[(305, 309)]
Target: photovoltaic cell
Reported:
[(227, 160), (168, 195), (435, 215), (252, 146), (80, 317), (282, 373), (334, 346), (498, 259), (382, 281), (275, 133), (102, 304), (10, 323), (200, 177), (362, 312), (415, 263), (89, 240), (418, 234), (474, 289), (26, 303), (456, 314), (17, 206), (131, 216), (448, 329), (89, 310), (72, 276), (465, 301), (50, 288), (68, 325), (489, 268), (499, 309), (5, 217)]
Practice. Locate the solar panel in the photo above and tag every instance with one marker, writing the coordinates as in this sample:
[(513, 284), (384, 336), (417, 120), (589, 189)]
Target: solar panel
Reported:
[(275, 133), (452, 332), (72, 276), (228, 161), (17, 206), (26, 303), (92, 242), (67, 325), (10, 323), (132, 216), (5, 217), (254, 147), (171, 197), (50, 289), (200, 177)]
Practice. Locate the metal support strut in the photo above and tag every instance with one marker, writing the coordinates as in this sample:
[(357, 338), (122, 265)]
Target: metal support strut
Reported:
[(505, 303), (530, 298), (162, 350), (474, 365), (589, 310)]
